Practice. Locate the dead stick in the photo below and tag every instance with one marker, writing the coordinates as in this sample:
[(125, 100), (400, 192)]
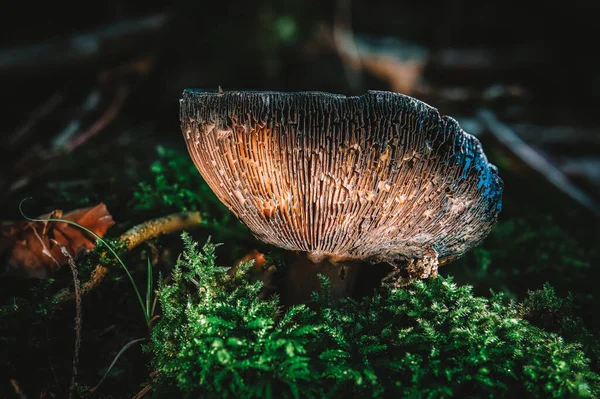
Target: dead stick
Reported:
[(109, 115), (157, 227), (117, 39), (78, 316), (88, 105), (17, 389), (143, 392), (13, 140), (506, 136), (134, 237)]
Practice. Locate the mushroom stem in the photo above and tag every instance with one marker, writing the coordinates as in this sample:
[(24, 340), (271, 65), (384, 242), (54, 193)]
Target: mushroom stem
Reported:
[(302, 278)]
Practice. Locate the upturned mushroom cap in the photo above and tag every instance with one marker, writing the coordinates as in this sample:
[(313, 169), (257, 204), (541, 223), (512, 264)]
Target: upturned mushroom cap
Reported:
[(380, 177)]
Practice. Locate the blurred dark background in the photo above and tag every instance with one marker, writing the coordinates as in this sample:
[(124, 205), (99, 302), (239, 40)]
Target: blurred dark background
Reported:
[(65, 67), (104, 78)]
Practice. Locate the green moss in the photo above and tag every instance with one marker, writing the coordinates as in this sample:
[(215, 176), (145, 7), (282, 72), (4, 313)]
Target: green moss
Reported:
[(525, 252), (100, 255), (546, 309), (431, 339), (175, 185)]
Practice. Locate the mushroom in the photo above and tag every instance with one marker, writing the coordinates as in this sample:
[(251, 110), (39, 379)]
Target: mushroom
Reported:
[(344, 183)]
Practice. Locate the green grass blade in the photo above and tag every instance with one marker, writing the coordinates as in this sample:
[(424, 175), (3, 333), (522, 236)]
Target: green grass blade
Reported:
[(149, 292), (123, 349)]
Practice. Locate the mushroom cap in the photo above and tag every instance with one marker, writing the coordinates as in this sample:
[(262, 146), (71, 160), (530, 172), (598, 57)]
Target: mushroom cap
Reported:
[(380, 177)]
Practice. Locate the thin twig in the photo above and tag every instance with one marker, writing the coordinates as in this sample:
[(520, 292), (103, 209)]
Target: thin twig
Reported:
[(557, 135), (134, 237), (38, 160), (13, 140), (506, 136), (90, 103), (143, 392), (17, 389), (157, 227), (109, 115), (484, 59), (119, 38), (78, 316)]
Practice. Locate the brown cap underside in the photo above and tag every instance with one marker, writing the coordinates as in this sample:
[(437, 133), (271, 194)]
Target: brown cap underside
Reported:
[(380, 177)]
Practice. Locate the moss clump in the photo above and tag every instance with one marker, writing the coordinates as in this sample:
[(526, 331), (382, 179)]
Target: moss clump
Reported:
[(546, 309), (527, 251), (174, 184), (433, 339)]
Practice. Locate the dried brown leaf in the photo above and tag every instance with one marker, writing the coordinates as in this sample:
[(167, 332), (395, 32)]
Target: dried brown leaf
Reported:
[(258, 258), (32, 249)]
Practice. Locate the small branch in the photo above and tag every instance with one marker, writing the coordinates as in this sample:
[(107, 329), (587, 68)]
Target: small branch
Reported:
[(90, 104), (13, 140), (17, 389), (78, 316), (557, 135), (119, 38), (109, 115), (107, 98), (583, 167), (400, 63), (71, 137), (529, 156), (143, 392), (482, 59), (134, 237), (157, 227)]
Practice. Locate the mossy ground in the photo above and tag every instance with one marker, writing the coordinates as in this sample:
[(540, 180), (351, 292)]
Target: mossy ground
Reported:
[(433, 339)]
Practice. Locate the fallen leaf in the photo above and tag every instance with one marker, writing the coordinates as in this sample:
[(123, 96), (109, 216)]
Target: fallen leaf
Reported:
[(400, 63), (258, 258), (32, 246)]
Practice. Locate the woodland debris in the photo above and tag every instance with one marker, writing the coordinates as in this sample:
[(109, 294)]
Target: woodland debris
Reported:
[(143, 392), (535, 160), (11, 141), (583, 168), (134, 237), (95, 114), (545, 136), (17, 389), (401, 64), (33, 248), (485, 59), (107, 117), (120, 38), (398, 62), (97, 110), (261, 270), (161, 226), (254, 255), (78, 318)]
